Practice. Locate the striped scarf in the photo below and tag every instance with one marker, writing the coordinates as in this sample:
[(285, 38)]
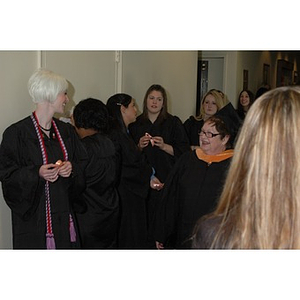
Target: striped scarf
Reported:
[(50, 241)]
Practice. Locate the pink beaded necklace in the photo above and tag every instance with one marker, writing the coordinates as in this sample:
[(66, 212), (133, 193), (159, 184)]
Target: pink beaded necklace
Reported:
[(50, 241)]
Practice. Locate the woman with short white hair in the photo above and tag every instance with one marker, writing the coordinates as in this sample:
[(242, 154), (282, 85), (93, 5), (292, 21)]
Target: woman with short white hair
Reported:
[(38, 169)]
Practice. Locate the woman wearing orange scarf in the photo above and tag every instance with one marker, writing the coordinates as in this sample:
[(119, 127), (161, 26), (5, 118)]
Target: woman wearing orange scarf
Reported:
[(194, 185)]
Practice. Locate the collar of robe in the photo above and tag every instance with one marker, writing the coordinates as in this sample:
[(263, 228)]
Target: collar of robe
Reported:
[(214, 158)]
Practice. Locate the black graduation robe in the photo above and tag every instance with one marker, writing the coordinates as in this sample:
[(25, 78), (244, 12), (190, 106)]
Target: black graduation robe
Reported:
[(173, 133), (232, 120), (23, 188), (192, 128), (191, 191), (98, 225), (133, 187)]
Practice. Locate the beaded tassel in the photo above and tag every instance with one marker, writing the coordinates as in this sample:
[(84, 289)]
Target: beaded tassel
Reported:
[(50, 241)]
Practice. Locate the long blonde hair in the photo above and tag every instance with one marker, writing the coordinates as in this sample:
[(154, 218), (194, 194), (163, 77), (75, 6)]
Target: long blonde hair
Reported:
[(220, 98), (260, 202)]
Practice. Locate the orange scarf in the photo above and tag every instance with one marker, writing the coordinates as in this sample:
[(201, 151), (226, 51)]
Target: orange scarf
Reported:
[(214, 158)]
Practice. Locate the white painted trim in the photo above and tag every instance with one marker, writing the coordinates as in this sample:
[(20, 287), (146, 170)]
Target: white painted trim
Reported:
[(118, 71), (39, 59)]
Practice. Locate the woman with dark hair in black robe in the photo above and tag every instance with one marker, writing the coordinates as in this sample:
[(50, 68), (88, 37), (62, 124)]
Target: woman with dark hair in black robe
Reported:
[(245, 100), (162, 137), (135, 175), (98, 224)]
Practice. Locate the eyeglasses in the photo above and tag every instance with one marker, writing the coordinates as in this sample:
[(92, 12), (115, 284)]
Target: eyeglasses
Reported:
[(209, 135)]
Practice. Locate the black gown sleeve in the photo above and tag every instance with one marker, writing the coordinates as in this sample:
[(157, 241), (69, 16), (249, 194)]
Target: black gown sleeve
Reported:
[(79, 159), (180, 141), (192, 128), (134, 172), (100, 172), (205, 231), (21, 184), (187, 126), (168, 210)]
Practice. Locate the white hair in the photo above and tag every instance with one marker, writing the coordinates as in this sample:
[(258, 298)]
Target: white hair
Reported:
[(45, 85)]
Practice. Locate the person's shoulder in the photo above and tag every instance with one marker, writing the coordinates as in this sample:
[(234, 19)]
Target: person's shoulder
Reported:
[(191, 154), (190, 119), (18, 125), (117, 136), (186, 159), (173, 118), (205, 231), (100, 139), (21, 122), (210, 221), (115, 132), (139, 119), (99, 143)]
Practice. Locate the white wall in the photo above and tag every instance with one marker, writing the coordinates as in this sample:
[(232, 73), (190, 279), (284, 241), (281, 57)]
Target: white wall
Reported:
[(94, 74), (89, 73), (16, 67), (176, 71)]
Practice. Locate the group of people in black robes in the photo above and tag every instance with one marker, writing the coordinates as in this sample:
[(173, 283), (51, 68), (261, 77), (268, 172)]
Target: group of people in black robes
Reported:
[(112, 179)]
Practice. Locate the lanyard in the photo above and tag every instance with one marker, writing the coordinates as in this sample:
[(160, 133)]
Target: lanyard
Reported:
[(50, 241)]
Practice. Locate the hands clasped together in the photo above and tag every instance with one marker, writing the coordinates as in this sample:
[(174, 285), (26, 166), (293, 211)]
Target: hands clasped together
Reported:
[(51, 172), (154, 140)]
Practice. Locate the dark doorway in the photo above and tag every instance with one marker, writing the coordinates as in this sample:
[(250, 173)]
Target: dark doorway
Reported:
[(202, 82)]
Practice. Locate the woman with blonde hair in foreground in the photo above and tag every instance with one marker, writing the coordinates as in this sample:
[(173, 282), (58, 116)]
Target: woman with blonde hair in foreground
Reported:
[(259, 205)]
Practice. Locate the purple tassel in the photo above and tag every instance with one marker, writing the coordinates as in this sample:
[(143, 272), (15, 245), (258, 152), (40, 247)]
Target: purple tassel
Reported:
[(50, 241), (72, 230)]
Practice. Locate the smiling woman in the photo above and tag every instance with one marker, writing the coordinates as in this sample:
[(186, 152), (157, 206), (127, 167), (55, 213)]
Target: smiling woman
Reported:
[(193, 186), (258, 207), (39, 191), (60, 102), (212, 141), (245, 100)]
